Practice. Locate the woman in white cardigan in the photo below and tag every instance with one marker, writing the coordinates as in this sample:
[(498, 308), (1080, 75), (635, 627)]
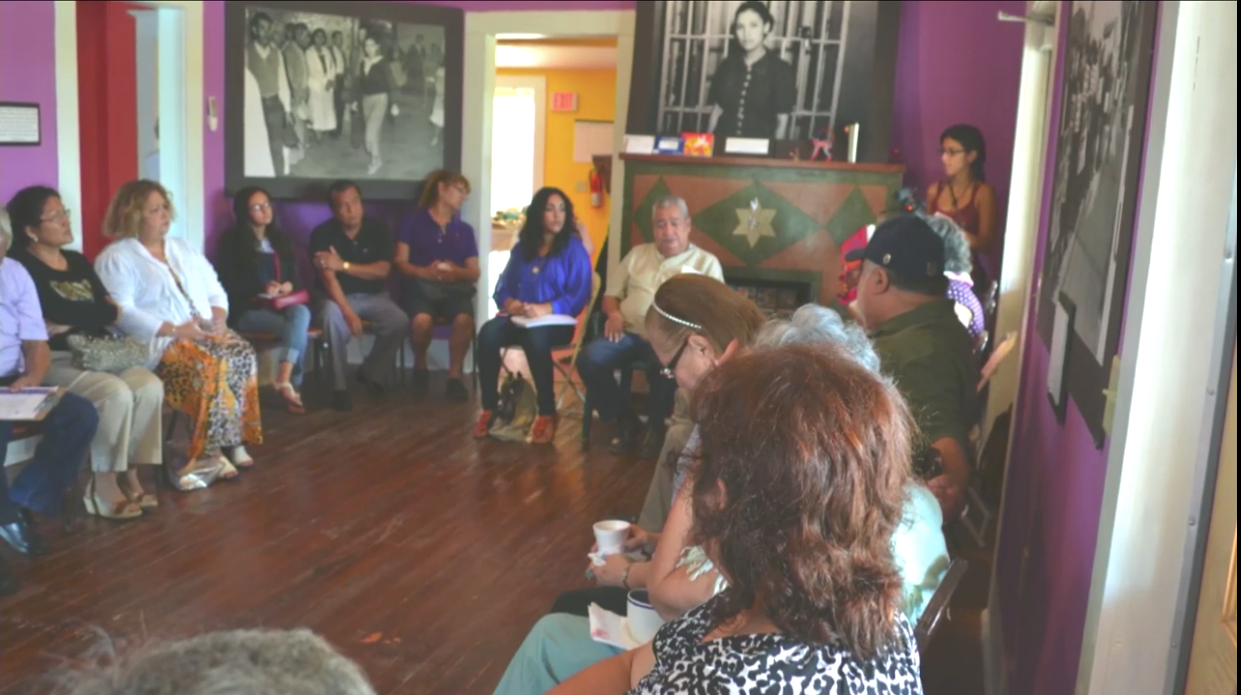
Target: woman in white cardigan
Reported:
[(171, 298)]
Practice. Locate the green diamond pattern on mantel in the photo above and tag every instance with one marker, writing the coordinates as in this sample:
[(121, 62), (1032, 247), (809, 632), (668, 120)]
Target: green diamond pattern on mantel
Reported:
[(723, 220)]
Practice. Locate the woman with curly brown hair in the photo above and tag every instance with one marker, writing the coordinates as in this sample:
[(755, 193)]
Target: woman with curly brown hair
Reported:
[(797, 489)]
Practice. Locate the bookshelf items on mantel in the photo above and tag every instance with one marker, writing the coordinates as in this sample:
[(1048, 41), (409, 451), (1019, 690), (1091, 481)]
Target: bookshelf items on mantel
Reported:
[(776, 225)]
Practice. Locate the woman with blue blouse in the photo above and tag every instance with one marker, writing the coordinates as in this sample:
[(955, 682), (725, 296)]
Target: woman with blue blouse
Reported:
[(548, 273)]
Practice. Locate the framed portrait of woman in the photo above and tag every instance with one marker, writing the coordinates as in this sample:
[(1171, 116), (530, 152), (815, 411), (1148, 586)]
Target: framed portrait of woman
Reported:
[(777, 70), (320, 91)]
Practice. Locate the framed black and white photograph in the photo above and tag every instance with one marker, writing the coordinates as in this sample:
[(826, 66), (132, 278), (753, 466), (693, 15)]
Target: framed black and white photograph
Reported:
[(1107, 71), (320, 91), (776, 70)]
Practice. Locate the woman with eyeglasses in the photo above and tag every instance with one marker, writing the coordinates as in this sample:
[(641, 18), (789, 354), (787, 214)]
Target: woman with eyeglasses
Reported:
[(257, 266), (437, 253), (966, 198), (75, 302)]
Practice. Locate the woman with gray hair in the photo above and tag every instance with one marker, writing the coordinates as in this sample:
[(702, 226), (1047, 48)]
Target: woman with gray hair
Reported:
[(958, 268), (237, 662)]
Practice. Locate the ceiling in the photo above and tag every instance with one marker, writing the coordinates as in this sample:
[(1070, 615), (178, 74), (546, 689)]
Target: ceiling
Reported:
[(556, 54)]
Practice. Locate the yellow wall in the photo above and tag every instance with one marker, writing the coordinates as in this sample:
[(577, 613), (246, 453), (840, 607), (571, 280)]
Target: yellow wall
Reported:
[(596, 101)]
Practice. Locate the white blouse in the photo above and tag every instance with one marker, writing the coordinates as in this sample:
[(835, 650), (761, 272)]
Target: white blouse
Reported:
[(148, 295)]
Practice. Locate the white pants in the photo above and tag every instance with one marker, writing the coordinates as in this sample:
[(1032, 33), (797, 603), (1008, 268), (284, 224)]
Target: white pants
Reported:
[(129, 406)]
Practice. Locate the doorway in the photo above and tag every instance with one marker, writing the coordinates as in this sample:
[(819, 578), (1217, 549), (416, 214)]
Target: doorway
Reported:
[(130, 91)]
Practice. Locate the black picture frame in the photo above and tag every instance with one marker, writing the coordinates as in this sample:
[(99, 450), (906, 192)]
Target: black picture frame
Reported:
[(452, 22), (38, 118), (868, 74), (1097, 173)]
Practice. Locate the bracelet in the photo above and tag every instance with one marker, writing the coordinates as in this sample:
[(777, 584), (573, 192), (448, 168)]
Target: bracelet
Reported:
[(625, 576)]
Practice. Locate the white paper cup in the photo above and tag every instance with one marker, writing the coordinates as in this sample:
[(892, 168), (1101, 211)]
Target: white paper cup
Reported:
[(610, 536), (644, 620)]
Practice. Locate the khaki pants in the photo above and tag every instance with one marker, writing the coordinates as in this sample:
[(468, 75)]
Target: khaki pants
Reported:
[(659, 495), (129, 408)]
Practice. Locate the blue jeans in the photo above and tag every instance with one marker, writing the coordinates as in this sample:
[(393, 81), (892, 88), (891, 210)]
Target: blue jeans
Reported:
[(290, 325), (67, 433), (537, 343), (598, 361)]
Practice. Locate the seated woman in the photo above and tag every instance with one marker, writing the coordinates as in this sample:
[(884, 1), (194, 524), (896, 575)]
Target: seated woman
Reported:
[(256, 264), (548, 273), (559, 645), (965, 196), (958, 269), (239, 662), (171, 298), (814, 590), (75, 302), (438, 255)]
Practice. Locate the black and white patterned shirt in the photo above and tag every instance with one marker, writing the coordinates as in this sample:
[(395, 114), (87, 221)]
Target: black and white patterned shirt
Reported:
[(771, 663)]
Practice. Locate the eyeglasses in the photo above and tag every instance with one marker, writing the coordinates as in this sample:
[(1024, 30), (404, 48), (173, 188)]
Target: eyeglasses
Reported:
[(950, 152), (260, 207), (670, 372), (62, 214)]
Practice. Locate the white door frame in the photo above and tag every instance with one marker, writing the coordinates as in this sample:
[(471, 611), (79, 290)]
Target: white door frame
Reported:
[(191, 205), (481, 29)]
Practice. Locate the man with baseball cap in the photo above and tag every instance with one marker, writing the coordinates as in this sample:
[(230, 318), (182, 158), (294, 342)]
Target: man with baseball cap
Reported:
[(923, 346)]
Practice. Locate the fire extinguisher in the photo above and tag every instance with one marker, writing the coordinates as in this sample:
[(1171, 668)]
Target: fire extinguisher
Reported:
[(596, 189)]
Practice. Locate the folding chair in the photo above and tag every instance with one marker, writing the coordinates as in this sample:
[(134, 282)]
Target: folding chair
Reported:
[(938, 606), (567, 364)]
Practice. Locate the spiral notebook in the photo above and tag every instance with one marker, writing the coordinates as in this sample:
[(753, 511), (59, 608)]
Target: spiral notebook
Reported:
[(544, 321)]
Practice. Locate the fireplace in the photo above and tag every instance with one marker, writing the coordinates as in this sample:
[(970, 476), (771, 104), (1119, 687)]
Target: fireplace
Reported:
[(776, 225)]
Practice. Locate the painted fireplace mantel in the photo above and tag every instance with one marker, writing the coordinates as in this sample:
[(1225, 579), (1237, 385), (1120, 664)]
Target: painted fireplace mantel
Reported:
[(767, 220)]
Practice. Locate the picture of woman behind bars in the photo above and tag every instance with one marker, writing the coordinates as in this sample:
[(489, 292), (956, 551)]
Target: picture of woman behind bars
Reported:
[(753, 91)]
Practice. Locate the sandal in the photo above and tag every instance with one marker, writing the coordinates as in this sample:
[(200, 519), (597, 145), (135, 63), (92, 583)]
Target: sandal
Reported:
[(239, 457), (109, 510), (292, 399), (227, 471)]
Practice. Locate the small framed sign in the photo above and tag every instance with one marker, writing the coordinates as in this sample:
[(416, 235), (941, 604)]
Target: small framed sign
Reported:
[(19, 124)]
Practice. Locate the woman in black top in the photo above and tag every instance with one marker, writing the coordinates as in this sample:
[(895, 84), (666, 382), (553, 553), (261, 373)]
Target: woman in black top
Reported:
[(753, 90), (374, 96), (75, 301), (255, 258)]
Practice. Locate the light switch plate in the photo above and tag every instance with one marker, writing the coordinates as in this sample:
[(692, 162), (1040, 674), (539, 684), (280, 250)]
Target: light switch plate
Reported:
[(1109, 394)]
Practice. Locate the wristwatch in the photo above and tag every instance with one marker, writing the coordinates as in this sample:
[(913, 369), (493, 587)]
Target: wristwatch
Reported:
[(625, 576), (345, 266)]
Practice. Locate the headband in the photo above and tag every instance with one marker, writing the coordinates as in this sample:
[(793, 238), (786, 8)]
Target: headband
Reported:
[(670, 317)]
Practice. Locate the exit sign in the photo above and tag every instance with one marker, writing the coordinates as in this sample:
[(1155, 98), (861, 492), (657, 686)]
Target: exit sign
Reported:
[(564, 101)]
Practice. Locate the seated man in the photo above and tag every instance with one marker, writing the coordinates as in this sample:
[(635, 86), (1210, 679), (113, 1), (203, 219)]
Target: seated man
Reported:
[(67, 429), (353, 255), (923, 346), (631, 288)]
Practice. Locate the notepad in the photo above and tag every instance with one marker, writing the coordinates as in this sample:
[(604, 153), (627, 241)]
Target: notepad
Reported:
[(544, 321), (28, 404)]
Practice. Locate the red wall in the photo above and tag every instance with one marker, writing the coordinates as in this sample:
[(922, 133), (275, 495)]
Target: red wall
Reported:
[(108, 108)]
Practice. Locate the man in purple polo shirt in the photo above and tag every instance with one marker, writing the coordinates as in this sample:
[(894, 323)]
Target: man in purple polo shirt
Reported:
[(67, 429), (437, 254)]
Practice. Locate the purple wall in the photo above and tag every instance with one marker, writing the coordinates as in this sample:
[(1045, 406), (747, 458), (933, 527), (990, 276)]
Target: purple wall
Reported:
[(939, 83), (28, 73), (1053, 500)]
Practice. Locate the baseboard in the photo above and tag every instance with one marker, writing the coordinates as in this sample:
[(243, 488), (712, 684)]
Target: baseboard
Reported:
[(994, 680)]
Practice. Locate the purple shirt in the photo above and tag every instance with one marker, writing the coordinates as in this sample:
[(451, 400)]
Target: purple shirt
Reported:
[(21, 316), (428, 242)]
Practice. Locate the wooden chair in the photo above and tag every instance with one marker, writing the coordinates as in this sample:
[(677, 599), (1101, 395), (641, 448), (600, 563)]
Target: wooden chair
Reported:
[(937, 608), (567, 364)]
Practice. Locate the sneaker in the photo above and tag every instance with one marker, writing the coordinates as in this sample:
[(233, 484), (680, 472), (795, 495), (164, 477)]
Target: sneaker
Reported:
[(626, 437), (544, 429), (483, 426), (342, 402), (421, 382), (457, 391)]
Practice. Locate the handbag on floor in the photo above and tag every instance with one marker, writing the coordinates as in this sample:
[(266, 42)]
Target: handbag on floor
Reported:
[(516, 409), (111, 354)]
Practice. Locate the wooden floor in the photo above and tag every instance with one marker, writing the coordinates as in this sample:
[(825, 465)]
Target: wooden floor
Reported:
[(421, 554)]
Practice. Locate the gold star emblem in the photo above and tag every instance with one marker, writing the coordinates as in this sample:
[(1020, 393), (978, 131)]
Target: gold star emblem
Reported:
[(754, 222)]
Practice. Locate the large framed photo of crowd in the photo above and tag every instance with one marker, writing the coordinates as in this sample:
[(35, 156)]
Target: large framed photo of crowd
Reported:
[(780, 70), (320, 91), (1108, 59)]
